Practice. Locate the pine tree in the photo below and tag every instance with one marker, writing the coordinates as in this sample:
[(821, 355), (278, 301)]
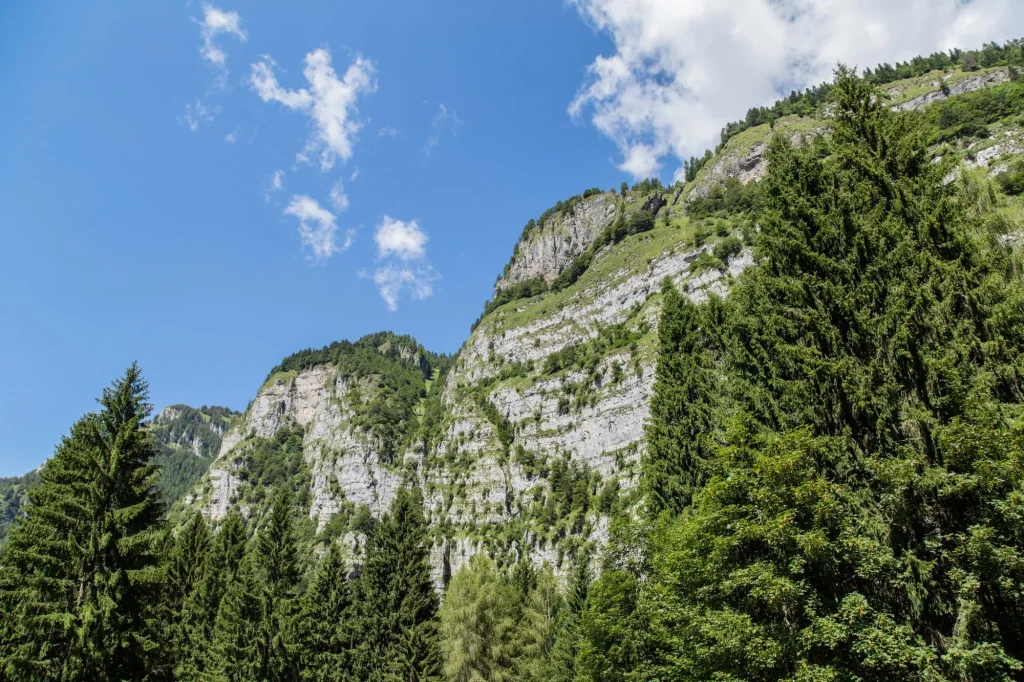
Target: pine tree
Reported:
[(200, 609), (81, 572), (327, 635), (396, 602)]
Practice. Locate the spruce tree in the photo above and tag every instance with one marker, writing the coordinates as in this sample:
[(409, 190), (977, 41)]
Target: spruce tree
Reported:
[(200, 609), (567, 627), (326, 628), (684, 403), (238, 650), (396, 602), (860, 518), (277, 553), (185, 571), (81, 573)]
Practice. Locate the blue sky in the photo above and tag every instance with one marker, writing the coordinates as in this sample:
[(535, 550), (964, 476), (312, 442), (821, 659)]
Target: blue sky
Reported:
[(208, 188)]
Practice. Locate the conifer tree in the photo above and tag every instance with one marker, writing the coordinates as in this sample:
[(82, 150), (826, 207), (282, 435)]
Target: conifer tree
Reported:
[(534, 636), (277, 553), (567, 627), (326, 627), (238, 647), (683, 406), (185, 570), (200, 609), (854, 520), (472, 626), (396, 602), (81, 572)]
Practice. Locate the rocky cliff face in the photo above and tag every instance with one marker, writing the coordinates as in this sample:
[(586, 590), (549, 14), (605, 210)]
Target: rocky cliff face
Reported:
[(542, 411), (537, 426), (551, 246), (343, 459)]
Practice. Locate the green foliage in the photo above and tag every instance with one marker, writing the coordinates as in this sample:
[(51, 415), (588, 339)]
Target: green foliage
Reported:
[(969, 115), (498, 627), (396, 604), (1012, 181), (835, 449), (79, 578), (13, 496), (729, 198), (811, 100), (326, 636)]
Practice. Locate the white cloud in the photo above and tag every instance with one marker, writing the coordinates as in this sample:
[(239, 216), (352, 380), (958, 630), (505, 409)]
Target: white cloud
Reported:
[(330, 102), (196, 114), (402, 245), (273, 184), (444, 118), (318, 229), (399, 238), (232, 137), (355, 174), (388, 131), (217, 22), (392, 280), (338, 197), (682, 69)]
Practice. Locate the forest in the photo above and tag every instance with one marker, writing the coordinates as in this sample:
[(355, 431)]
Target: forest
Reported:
[(833, 484)]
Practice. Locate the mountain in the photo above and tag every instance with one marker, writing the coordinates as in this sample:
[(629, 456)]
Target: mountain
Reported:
[(186, 439), (765, 423), (532, 435)]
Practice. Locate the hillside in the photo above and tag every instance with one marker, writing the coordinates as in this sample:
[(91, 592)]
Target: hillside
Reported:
[(764, 424)]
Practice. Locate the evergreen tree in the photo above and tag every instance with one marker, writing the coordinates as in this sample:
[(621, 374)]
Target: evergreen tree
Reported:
[(396, 602), (185, 571), (683, 406), (326, 623), (81, 574), (854, 524), (239, 648), (277, 552), (567, 627), (200, 609)]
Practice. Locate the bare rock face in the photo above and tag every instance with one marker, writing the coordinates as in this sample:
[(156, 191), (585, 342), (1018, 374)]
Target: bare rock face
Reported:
[(342, 459), (967, 84), (551, 247), (748, 164)]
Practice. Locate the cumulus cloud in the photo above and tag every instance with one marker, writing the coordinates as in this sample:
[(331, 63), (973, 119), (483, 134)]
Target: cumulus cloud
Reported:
[(392, 280), (217, 22), (329, 101), (318, 228), (196, 114), (444, 119), (681, 69), (399, 238), (338, 197), (402, 248)]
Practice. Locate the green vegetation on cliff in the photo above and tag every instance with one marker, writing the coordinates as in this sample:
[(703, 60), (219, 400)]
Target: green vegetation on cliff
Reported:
[(835, 449)]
